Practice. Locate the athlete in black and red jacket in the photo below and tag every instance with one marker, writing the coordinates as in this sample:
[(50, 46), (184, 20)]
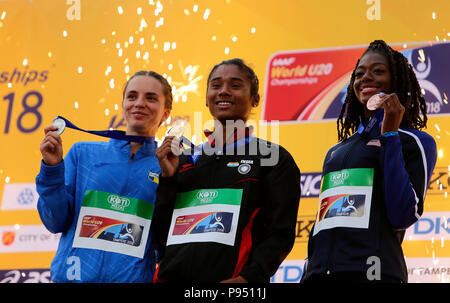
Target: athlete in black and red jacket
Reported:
[(228, 212)]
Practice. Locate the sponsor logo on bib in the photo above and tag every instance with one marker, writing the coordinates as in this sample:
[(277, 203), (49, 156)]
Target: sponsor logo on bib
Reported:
[(339, 178), (118, 203), (206, 196)]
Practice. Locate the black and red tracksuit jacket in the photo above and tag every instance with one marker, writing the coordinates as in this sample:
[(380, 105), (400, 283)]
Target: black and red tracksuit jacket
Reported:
[(268, 213)]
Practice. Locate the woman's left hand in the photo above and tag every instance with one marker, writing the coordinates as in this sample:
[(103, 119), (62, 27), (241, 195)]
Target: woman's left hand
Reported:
[(393, 113)]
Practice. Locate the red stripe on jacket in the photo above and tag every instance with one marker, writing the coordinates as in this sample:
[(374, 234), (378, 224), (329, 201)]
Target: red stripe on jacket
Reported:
[(246, 245), (157, 279)]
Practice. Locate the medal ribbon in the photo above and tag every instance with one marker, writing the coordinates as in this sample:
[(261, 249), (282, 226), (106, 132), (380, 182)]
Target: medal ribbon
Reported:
[(373, 127)]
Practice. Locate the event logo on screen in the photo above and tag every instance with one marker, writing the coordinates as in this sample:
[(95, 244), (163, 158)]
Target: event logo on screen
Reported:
[(311, 85)]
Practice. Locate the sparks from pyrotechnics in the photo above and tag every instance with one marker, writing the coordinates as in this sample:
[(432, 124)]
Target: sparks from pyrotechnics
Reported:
[(189, 83)]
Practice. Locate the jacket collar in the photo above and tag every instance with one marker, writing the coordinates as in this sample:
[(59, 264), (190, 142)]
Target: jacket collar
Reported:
[(148, 148), (238, 134)]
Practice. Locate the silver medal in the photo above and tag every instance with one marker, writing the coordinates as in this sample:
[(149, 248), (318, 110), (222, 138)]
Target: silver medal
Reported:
[(177, 129)]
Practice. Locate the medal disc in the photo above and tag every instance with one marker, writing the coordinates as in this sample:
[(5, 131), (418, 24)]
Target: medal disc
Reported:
[(375, 101), (61, 124)]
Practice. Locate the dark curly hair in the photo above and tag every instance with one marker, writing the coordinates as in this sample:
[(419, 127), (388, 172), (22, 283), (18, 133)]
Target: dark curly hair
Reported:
[(404, 84)]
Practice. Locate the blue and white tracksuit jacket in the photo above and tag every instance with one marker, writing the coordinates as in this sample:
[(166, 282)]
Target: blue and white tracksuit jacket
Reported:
[(101, 245)]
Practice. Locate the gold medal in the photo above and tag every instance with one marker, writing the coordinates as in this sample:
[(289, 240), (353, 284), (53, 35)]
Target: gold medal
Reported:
[(177, 129)]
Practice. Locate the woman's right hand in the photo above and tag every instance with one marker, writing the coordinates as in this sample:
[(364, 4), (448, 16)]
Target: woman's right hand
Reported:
[(51, 146), (168, 154)]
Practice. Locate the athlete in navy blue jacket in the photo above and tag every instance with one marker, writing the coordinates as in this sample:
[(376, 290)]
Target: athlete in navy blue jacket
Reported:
[(375, 179), (101, 196)]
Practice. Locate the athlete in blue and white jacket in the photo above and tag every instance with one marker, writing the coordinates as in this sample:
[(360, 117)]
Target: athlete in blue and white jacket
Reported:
[(101, 196), (374, 180)]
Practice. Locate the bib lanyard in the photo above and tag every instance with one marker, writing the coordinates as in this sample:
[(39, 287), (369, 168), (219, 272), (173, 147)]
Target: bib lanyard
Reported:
[(62, 122)]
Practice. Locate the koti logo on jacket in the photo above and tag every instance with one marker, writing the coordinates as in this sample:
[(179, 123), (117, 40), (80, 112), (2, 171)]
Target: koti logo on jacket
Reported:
[(206, 196), (117, 202)]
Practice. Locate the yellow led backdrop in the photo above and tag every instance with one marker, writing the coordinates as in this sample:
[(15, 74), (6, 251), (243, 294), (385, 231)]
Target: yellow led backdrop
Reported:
[(72, 58)]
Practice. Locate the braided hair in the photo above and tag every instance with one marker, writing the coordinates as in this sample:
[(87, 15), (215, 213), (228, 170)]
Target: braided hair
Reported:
[(404, 84)]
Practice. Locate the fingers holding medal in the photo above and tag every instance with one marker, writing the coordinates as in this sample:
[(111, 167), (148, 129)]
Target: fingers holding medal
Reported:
[(385, 101), (170, 149), (176, 131), (393, 110), (51, 145)]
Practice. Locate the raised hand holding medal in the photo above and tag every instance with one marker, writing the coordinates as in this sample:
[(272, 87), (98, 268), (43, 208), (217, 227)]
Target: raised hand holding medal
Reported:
[(170, 149), (51, 146), (393, 110), (393, 113), (175, 134)]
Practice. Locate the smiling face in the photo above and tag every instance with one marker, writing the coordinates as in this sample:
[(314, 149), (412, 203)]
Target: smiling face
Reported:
[(372, 76), (143, 106), (228, 96)]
